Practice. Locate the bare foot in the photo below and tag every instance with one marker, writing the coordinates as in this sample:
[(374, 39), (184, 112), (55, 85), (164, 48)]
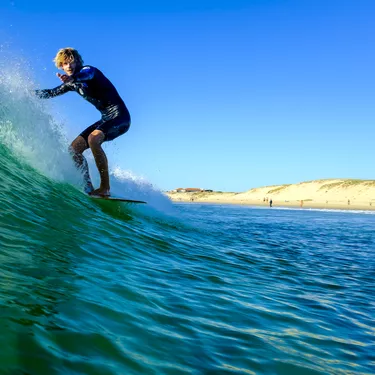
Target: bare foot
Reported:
[(100, 192)]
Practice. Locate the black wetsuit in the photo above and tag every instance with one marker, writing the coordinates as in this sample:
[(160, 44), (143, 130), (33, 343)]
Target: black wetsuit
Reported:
[(97, 89)]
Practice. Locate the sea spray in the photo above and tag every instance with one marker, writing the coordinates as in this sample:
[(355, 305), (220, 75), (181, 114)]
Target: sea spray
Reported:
[(30, 131)]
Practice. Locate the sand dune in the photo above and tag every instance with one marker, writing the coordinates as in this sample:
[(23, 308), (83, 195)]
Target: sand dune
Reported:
[(333, 193)]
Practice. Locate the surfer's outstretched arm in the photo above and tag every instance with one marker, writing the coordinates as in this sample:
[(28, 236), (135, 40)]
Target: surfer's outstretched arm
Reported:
[(51, 93)]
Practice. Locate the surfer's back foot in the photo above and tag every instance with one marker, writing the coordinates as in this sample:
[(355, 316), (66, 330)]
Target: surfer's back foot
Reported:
[(88, 189), (100, 192)]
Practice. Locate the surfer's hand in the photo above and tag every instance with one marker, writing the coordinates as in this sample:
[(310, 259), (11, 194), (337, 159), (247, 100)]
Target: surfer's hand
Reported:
[(64, 78)]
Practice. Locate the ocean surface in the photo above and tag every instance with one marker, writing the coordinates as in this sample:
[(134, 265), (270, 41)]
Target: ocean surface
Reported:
[(95, 287)]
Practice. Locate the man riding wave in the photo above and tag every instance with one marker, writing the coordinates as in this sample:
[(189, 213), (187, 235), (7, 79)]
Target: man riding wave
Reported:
[(92, 85)]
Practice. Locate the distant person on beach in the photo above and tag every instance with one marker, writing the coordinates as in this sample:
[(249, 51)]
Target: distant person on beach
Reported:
[(95, 87), (271, 203)]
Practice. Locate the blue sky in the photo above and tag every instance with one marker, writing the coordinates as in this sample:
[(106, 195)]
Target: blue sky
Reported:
[(224, 95)]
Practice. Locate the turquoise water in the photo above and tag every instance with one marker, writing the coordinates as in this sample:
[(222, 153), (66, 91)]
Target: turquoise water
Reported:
[(91, 287)]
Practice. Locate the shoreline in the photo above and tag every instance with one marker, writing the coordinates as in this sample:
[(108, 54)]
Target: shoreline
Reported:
[(333, 194), (306, 206)]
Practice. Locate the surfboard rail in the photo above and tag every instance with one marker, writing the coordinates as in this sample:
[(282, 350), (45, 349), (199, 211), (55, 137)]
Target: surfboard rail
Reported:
[(118, 199)]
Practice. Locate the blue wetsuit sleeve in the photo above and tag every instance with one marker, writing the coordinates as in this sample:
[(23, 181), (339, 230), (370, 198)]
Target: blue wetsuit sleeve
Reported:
[(85, 74), (51, 93)]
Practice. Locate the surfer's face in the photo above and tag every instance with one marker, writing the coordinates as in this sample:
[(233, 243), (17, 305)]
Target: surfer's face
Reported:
[(69, 67)]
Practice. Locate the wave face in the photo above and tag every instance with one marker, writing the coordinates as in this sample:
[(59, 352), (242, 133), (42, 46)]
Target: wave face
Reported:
[(96, 287)]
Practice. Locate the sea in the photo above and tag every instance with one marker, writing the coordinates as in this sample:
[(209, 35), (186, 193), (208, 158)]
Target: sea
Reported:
[(98, 288)]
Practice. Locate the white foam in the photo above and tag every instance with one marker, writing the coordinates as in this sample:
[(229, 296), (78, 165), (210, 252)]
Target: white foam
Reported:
[(127, 184)]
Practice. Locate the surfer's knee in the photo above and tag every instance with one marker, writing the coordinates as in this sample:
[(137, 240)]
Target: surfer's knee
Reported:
[(96, 138), (78, 145)]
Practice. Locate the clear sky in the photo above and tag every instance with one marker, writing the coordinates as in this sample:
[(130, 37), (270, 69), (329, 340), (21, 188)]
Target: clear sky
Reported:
[(224, 95)]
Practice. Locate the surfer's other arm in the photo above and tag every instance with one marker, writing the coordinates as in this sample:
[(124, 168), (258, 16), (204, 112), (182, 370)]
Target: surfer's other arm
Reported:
[(51, 93)]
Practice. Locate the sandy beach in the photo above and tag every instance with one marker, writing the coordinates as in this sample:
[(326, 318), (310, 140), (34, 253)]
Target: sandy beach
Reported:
[(330, 194)]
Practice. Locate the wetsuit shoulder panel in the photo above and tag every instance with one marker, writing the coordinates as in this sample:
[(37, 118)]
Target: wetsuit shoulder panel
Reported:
[(85, 74)]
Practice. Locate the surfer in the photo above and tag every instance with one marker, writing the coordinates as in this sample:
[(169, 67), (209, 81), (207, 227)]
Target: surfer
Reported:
[(92, 85)]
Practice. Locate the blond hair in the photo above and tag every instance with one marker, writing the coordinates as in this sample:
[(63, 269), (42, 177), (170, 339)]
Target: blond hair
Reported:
[(67, 55)]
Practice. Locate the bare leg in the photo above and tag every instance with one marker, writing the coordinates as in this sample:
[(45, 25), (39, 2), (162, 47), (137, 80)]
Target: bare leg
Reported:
[(77, 147), (95, 139)]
